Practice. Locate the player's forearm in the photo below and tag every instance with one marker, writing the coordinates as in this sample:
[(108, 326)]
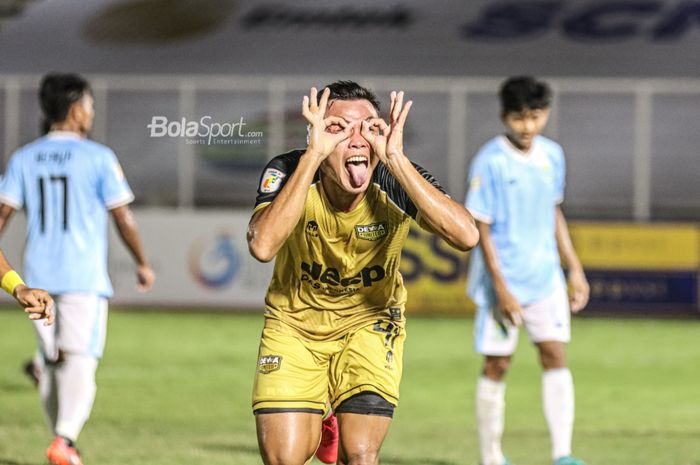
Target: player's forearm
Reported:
[(6, 212), (129, 234), (488, 250), (269, 228), (564, 244), (4, 265), (444, 216)]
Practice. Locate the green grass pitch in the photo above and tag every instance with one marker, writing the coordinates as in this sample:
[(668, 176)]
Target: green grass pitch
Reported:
[(174, 389)]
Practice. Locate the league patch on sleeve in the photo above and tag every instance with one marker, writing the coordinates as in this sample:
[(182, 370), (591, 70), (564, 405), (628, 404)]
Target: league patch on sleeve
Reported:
[(475, 183), (271, 180)]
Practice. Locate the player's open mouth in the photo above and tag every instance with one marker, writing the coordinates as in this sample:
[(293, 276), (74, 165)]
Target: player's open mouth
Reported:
[(357, 167)]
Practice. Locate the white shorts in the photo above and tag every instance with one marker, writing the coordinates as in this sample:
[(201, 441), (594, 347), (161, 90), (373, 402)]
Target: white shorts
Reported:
[(548, 319), (80, 326)]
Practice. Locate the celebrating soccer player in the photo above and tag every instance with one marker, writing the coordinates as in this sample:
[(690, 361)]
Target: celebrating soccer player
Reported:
[(67, 184), (335, 216), (516, 185)]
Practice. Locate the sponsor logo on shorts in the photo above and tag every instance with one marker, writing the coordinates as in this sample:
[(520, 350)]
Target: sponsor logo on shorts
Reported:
[(395, 313), (269, 363), (371, 232), (312, 228), (271, 180)]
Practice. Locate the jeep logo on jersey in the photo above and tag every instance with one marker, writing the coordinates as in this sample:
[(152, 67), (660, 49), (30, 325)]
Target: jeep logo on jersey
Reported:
[(269, 363), (371, 232), (312, 228), (367, 276)]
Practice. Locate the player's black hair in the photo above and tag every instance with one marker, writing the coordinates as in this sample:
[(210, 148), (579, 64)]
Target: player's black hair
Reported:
[(350, 90), (58, 92), (524, 92)]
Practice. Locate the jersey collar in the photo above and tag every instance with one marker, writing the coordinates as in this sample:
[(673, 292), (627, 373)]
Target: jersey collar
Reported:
[(63, 135)]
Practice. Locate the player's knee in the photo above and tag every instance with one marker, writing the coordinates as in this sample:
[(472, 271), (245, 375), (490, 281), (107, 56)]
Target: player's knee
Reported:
[(495, 368), (365, 457), (552, 355), (283, 456)]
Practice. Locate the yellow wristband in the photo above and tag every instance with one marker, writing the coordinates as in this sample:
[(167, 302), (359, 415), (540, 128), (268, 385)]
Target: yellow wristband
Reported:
[(10, 281)]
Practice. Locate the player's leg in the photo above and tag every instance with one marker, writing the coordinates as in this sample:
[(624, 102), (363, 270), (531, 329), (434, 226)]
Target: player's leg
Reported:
[(82, 326), (288, 438), (496, 340), (362, 435), (548, 324), (81, 340), (48, 390), (290, 396), (365, 379)]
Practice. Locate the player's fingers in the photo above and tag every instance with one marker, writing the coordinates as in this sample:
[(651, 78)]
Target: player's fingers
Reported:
[(343, 134), (323, 104), (392, 97), (305, 108), (313, 100), (404, 114), (398, 106), (577, 302), (514, 315), (335, 120)]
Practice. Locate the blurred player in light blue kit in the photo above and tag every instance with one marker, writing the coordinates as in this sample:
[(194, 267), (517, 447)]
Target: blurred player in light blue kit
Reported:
[(516, 184), (67, 184)]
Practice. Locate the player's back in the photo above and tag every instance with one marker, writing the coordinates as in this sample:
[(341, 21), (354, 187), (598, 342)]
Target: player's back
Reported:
[(65, 184)]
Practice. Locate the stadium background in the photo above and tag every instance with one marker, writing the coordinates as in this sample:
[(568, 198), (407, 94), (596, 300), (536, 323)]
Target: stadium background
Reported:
[(626, 110)]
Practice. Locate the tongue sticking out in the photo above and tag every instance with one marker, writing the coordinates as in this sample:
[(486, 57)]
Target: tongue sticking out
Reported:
[(358, 173)]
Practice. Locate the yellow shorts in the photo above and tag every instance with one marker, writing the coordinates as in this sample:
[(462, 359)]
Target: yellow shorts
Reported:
[(299, 375)]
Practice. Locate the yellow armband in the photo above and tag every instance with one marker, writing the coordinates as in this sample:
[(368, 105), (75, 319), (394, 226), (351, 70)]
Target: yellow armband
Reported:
[(10, 281)]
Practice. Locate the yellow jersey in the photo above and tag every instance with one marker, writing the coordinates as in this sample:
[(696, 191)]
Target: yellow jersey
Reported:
[(338, 271)]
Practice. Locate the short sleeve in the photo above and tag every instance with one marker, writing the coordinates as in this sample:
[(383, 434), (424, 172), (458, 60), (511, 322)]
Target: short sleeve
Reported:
[(396, 192), (114, 189), (480, 199), (275, 176), (11, 185), (560, 179)]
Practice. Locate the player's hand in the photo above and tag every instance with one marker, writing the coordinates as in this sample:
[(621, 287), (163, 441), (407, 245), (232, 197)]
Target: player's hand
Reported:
[(325, 133), (510, 307), (145, 277), (580, 291), (387, 139), (37, 303)]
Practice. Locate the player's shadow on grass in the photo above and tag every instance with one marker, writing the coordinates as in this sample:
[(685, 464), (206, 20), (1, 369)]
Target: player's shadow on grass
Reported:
[(4, 461)]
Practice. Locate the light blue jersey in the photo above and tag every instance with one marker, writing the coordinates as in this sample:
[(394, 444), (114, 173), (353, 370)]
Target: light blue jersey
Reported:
[(517, 195), (66, 184)]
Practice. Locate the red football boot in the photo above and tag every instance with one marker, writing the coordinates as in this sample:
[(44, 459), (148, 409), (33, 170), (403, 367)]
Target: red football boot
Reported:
[(60, 453), (327, 451)]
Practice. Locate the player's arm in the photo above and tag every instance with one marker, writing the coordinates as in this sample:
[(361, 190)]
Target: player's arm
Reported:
[(36, 302), (507, 302), (6, 212), (439, 214), (270, 226), (577, 279), (129, 233)]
